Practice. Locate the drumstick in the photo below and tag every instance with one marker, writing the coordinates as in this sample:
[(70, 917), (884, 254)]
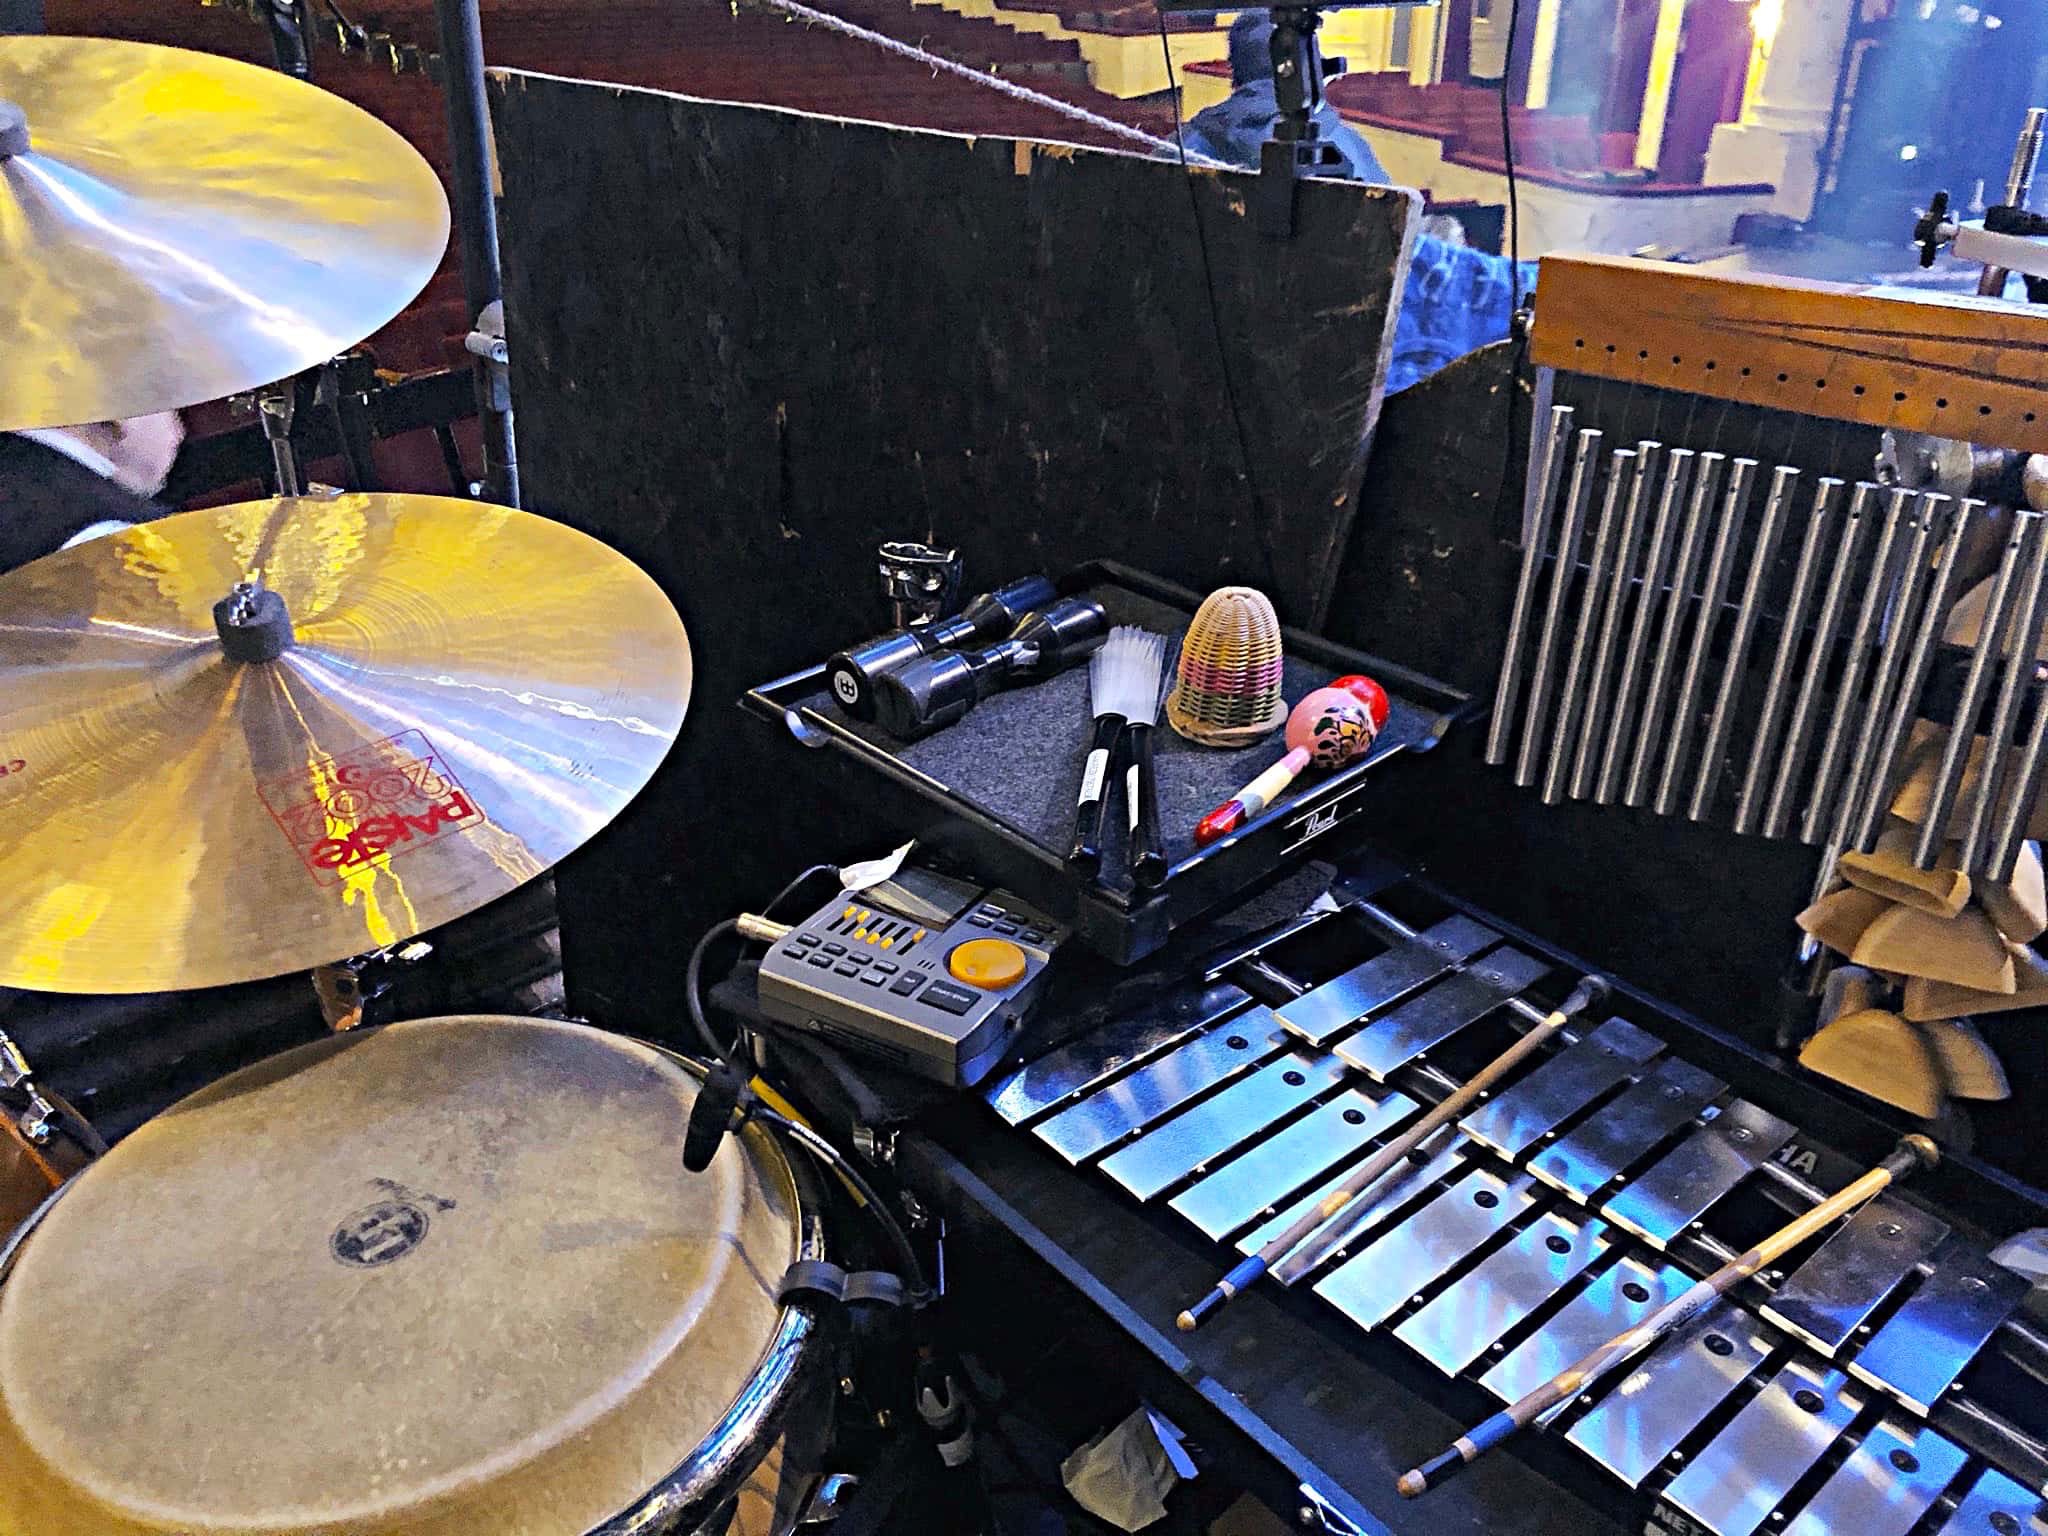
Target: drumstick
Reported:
[(1590, 990), (1912, 1152)]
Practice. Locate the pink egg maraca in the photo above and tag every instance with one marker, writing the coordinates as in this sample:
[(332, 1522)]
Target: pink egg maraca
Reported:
[(1329, 728), (1374, 696), (1333, 725)]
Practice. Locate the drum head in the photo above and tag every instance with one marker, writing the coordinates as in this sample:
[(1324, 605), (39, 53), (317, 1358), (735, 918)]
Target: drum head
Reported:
[(445, 1276)]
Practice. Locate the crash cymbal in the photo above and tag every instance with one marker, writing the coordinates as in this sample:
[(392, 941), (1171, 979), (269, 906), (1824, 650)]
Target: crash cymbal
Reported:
[(468, 695), (180, 227)]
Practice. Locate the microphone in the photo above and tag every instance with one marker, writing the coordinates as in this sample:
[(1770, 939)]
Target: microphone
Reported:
[(711, 1117)]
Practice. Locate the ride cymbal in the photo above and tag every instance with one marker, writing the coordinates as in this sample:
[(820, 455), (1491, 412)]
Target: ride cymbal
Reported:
[(468, 694), (176, 227)]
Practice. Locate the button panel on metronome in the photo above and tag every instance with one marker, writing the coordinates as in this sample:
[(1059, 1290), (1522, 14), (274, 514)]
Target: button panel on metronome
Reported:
[(936, 997)]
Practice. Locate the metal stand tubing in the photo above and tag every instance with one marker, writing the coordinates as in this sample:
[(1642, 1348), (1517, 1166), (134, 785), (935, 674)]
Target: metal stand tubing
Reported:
[(476, 223)]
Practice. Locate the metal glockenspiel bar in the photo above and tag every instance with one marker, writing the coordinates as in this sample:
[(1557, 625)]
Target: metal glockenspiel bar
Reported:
[(1897, 526), (1632, 1126), (1668, 1392), (1713, 593), (1675, 1191), (1618, 1299), (1377, 1281), (1919, 1351), (1663, 665), (1882, 767), (1562, 572), (2019, 651), (1739, 1477), (1163, 1085), (1784, 484), (1232, 1118), (1869, 1256), (1559, 1087), (1955, 752), (1663, 536), (1443, 1155), (1545, 475), (1321, 1013), (1238, 1192), (1890, 1480), (1749, 806), (1426, 1021), (1571, 694), (1459, 1325), (1585, 762)]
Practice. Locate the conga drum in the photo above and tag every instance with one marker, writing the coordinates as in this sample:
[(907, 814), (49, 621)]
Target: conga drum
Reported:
[(448, 1276)]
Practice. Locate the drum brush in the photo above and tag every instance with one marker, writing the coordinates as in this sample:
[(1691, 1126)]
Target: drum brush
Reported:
[(1123, 687), (936, 690), (1912, 1152), (1590, 991), (1147, 853), (854, 672)]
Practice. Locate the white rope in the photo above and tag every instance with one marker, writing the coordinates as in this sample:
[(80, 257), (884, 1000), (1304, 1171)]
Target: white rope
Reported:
[(993, 82)]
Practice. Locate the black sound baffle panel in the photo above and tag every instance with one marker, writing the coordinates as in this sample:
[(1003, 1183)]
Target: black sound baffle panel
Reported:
[(748, 344)]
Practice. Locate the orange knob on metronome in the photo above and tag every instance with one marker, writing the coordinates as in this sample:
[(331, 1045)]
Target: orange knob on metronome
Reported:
[(1226, 692)]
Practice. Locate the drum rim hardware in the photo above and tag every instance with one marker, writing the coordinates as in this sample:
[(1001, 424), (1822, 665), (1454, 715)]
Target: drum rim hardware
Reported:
[(728, 1105), (37, 1119)]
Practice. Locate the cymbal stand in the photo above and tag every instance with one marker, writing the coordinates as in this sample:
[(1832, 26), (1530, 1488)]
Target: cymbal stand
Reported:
[(476, 224), (342, 388), (291, 35), (274, 408)]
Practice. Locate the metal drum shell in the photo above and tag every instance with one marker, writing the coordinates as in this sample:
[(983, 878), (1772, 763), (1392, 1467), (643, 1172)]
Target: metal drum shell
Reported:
[(707, 1476)]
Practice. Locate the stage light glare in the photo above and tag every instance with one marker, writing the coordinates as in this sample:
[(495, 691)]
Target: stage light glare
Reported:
[(1765, 20), (1909, 152)]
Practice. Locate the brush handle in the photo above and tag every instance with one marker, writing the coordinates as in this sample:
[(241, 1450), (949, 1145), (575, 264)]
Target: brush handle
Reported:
[(1141, 794), (1086, 854)]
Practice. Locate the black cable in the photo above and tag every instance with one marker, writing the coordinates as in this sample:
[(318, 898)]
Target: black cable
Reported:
[(693, 976), (693, 998), (784, 894), (841, 1164), (1244, 452), (803, 1135)]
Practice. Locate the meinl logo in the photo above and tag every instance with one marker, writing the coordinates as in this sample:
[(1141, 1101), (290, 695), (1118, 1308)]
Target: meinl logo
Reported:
[(377, 802)]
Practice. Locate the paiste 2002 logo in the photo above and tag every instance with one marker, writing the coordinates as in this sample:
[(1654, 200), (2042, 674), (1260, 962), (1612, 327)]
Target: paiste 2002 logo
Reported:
[(377, 801)]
